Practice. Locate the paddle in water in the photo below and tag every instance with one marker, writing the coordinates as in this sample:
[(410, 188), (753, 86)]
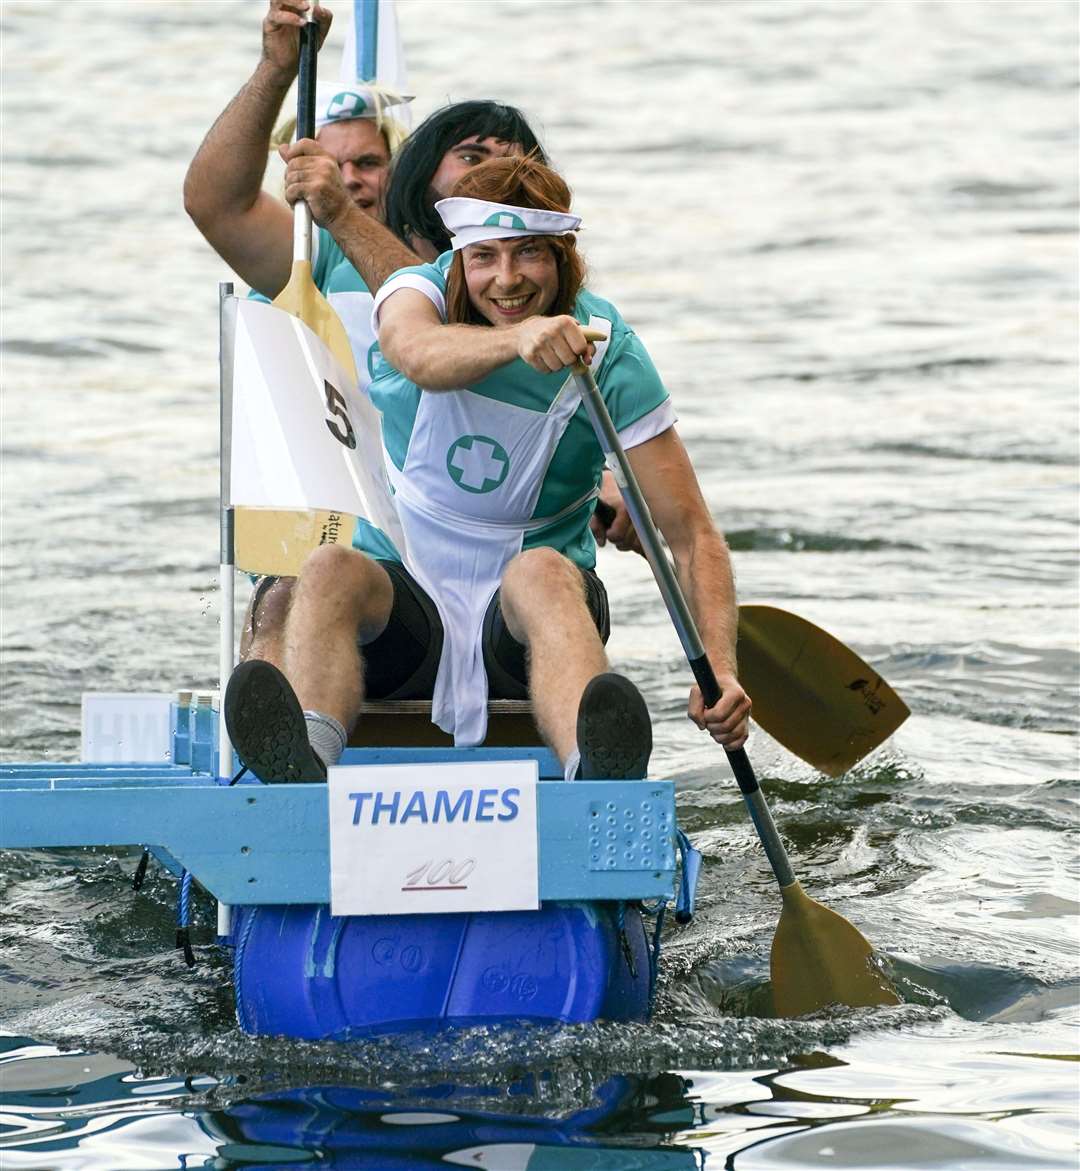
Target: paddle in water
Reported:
[(818, 958), (269, 540)]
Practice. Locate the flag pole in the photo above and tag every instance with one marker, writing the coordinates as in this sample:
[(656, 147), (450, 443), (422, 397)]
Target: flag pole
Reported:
[(366, 26), (227, 560)]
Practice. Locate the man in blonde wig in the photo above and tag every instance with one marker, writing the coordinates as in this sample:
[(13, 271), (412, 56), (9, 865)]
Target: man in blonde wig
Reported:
[(348, 165)]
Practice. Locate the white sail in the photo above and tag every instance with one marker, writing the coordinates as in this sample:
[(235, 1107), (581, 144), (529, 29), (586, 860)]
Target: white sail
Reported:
[(303, 435)]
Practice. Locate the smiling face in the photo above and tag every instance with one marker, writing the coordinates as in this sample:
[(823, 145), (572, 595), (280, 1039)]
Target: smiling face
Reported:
[(363, 159), (510, 280), (460, 159)]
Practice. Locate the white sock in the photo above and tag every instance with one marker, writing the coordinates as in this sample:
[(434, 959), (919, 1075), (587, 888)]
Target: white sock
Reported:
[(326, 737), (573, 763)]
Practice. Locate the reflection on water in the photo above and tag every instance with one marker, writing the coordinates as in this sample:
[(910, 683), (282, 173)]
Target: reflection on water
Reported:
[(846, 233), (816, 1110)]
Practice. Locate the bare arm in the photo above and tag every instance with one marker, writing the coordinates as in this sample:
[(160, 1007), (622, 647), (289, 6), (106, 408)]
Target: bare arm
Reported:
[(372, 249), (248, 228), (415, 340), (703, 564)]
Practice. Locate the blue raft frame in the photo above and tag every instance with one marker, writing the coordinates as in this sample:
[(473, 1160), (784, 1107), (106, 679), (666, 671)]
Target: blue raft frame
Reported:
[(251, 844), (263, 851)]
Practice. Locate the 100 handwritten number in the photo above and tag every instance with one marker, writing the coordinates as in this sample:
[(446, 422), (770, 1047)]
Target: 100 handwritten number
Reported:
[(446, 874)]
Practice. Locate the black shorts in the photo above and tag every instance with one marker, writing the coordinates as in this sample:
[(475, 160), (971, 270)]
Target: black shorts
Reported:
[(403, 661)]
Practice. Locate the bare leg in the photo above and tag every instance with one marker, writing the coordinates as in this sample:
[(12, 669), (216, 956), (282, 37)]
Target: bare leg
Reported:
[(340, 593), (263, 636), (543, 602)]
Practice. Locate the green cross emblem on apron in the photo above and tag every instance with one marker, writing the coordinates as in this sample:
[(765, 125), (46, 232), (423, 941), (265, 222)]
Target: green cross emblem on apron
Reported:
[(504, 219), (346, 105), (477, 463)]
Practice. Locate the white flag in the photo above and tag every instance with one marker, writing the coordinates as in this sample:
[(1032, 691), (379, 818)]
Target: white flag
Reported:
[(303, 435), (373, 50)]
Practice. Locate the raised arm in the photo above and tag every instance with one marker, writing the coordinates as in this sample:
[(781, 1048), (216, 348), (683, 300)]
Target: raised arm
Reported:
[(416, 341), (671, 490), (373, 250), (247, 227)]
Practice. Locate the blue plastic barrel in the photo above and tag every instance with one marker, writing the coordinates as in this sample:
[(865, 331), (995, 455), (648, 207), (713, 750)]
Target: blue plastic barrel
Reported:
[(301, 972)]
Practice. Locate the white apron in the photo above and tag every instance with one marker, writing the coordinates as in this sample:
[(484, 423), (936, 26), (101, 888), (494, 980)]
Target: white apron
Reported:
[(472, 476)]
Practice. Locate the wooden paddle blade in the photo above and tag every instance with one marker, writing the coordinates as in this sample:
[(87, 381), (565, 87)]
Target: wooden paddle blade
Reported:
[(819, 958), (812, 693), (267, 540), (302, 299)]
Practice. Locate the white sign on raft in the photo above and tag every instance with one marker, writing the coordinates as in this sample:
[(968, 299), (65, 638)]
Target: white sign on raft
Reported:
[(304, 437), (416, 839), (126, 726)]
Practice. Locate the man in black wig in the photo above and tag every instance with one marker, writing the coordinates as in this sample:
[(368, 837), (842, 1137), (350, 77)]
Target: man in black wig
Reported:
[(437, 154)]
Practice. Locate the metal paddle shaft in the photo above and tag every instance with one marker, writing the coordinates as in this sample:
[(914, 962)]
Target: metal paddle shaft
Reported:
[(305, 125), (818, 957), (684, 622), (301, 297), (271, 540)]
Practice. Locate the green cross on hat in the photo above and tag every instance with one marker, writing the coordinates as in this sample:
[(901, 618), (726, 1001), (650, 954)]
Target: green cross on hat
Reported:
[(342, 101), (504, 219), (347, 104)]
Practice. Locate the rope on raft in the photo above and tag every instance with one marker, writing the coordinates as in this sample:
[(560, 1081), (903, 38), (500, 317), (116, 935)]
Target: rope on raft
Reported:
[(247, 925), (684, 907), (183, 919)]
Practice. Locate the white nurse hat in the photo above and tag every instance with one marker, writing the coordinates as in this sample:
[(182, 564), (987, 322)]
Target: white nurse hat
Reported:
[(471, 220), (336, 101)]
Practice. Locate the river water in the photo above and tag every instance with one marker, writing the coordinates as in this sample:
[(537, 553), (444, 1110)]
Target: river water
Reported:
[(847, 233)]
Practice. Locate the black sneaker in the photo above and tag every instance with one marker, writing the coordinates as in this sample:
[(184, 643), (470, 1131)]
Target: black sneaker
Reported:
[(266, 725), (614, 732)]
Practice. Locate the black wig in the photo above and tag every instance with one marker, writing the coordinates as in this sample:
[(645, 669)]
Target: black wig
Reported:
[(408, 203)]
